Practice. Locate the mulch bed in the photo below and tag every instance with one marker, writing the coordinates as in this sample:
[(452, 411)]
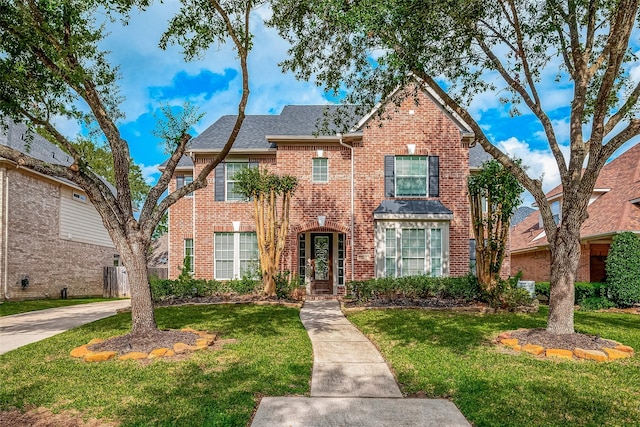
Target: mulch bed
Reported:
[(546, 339), (414, 302), (145, 343), (221, 298)]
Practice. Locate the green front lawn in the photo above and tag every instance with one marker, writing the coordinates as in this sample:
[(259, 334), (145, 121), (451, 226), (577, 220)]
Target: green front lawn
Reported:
[(449, 355), (8, 308), (268, 353)]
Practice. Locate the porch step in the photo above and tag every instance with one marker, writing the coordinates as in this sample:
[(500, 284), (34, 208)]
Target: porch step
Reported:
[(321, 297)]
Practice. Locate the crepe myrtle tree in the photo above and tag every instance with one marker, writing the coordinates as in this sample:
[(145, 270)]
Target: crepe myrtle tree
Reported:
[(521, 49), (494, 196), (51, 67), (271, 196)]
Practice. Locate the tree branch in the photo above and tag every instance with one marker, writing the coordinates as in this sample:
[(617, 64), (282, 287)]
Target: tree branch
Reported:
[(535, 107)]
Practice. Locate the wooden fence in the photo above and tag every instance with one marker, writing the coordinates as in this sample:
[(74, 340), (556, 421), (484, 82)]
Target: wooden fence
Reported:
[(116, 281), (159, 272)]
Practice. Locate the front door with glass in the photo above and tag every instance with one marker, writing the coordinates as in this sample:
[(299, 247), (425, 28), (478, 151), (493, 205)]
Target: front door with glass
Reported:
[(322, 262)]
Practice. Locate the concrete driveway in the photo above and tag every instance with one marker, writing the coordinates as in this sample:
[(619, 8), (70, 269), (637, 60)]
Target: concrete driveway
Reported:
[(25, 328)]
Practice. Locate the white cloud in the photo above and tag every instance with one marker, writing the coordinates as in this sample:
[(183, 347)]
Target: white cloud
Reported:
[(150, 173), (561, 128), (540, 163)]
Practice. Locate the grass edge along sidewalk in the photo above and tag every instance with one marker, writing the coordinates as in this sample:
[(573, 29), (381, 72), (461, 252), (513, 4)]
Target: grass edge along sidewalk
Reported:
[(8, 308)]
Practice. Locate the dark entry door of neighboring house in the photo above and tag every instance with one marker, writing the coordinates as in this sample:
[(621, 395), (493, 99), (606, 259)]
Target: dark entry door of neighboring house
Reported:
[(322, 261)]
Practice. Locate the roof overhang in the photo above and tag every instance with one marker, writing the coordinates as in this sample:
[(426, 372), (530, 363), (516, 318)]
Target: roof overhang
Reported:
[(232, 151), (307, 139), (587, 239), (426, 210)]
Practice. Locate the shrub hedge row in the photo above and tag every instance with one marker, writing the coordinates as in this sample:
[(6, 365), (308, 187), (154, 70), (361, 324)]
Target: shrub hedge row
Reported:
[(162, 289), (464, 288)]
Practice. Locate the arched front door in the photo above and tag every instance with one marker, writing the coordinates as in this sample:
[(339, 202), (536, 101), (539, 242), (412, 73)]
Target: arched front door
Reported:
[(322, 262)]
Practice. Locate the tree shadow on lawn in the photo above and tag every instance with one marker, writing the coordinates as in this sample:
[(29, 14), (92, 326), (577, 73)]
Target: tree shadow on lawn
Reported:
[(272, 356), (538, 400), (458, 332), (201, 393), (225, 319)]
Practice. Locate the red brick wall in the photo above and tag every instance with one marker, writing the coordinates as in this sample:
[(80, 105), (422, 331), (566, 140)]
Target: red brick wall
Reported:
[(537, 265), (428, 127), (434, 134)]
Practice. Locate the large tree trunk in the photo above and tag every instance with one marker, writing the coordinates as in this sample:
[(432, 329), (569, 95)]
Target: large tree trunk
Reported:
[(143, 320), (565, 261)]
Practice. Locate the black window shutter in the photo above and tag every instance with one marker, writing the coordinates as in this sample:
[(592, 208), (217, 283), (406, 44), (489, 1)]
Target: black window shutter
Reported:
[(179, 181), (434, 176), (389, 176), (219, 183)]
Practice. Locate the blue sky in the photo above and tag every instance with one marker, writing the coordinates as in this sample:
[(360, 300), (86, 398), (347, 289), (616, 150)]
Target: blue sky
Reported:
[(152, 77)]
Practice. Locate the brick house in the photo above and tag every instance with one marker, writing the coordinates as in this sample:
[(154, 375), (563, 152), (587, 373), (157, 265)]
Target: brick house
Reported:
[(387, 198), (51, 235), (614, 207)]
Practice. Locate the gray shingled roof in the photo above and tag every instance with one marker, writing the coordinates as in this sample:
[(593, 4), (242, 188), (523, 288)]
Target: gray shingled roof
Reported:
[(292, 121), (477, 156), (412, 207), (15, 136), (521, 214), (38, 147)]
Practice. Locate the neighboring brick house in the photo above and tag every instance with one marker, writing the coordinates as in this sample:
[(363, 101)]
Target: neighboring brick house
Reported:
[(614, 207), (51, 236), (406, 176)]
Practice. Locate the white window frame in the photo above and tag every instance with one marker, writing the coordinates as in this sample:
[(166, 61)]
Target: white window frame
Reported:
[(186, 248), (398, 177), (236, 260), (186, 180), (394, 230), (317, 171), (228, 180)]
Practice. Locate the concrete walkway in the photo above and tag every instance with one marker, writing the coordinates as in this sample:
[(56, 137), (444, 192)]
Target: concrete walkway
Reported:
[(25, 328), (351, 385)]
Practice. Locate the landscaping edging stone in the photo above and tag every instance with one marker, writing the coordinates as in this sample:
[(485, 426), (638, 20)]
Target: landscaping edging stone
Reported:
[(619, 351), (205, 341)]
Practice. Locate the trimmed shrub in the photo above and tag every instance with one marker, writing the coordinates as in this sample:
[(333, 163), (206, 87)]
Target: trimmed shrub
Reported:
[(596, 303), (162, 289), (584, 290), (543, 289), (623, 269), (413, 287), (506, 295)]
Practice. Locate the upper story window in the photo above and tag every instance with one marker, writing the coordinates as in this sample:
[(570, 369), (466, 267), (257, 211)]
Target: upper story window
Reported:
[(225, 183), (232, 169), (79, 197), (182, 180), (320, 171), (412, 176)]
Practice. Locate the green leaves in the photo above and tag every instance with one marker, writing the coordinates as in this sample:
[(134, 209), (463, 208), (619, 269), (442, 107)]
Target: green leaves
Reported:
[(623, 269), (253, 182), (498, 187), (174, 123), (100, 160)]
